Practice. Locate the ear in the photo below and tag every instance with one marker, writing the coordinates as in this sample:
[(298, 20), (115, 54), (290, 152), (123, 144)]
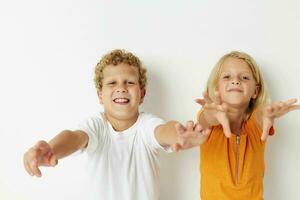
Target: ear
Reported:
[(99, 94), (143, 94), (256, 92)]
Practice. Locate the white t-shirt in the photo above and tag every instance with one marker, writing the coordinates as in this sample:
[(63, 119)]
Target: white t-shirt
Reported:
[(123, 165)]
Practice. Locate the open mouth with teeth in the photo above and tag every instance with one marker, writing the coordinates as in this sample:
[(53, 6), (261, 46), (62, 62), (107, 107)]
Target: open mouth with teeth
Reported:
[(121, 100)]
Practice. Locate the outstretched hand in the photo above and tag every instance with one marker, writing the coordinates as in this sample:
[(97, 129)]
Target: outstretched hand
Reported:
[(39, 155), (189, 136), (215, 112), (275, 110)]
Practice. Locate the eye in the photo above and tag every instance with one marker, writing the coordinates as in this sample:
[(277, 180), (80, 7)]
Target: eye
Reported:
[(245, 78), (131, 83), (111, 83), (226, 77)]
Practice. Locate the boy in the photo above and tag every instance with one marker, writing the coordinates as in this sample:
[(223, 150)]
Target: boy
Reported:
[(121, 143)]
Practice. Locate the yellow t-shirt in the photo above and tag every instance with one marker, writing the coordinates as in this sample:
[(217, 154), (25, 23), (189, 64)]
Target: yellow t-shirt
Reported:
[(233, 168)]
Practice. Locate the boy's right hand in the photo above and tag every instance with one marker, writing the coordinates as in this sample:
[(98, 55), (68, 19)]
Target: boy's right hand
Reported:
[(39, 155), (215, 112), (190, 135)]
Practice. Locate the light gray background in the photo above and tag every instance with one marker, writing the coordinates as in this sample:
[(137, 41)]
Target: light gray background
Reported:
[(49, 49)]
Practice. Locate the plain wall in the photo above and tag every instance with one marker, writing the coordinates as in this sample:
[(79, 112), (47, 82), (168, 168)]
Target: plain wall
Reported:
[(49, 49)]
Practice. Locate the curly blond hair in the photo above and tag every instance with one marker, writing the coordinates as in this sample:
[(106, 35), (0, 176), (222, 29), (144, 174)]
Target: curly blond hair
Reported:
[(116, 57)]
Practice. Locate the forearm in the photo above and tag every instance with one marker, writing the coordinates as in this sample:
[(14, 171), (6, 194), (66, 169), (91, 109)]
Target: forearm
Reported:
[(201, 119), (166, 134), (68, 142)]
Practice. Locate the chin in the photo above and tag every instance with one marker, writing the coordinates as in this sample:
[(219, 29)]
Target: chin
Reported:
[(125, 114), (237, 104), (234, 97)]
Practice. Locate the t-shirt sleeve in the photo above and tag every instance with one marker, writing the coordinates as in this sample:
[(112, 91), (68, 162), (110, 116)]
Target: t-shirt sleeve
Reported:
[(149, 125), (93, 127)]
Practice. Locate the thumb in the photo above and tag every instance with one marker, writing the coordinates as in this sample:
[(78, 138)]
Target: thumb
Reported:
[(265, 132), (226, 127), (227, 131), (53, 161)]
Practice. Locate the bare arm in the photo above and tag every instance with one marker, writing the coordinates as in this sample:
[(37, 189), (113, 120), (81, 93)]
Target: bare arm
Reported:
[(67, 142), (181, 137), (47, 154), (166, 134)]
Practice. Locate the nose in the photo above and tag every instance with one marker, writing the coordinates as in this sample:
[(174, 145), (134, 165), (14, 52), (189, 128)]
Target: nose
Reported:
[(121, 88), (235, 82)]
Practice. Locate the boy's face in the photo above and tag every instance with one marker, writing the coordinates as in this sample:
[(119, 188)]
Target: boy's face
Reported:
[(121, 94), (236, 83)]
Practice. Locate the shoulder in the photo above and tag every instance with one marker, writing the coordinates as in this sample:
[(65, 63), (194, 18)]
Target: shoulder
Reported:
[(96, 129), (251, 121), (147, 119), (216, 136), (147, 123), (96, 119), (147, 126), (93, 123), (254, 125)]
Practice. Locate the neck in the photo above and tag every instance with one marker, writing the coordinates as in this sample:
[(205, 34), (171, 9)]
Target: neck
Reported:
[(121, 124), (236, 118)]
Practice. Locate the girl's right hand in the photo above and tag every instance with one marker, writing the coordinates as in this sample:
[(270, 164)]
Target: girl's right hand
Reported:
[(215, 112), (39, 155)]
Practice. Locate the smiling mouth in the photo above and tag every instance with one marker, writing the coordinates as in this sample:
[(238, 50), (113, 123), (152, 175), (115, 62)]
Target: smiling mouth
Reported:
[(121, 100), (235, 90)]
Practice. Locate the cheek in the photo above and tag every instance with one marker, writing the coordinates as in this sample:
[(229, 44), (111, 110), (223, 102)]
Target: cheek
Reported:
[(135, 92), (221, 86), (252, 88), (106, 94)]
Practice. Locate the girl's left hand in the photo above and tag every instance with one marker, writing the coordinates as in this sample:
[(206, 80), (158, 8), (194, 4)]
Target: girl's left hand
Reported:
[(276, 110)]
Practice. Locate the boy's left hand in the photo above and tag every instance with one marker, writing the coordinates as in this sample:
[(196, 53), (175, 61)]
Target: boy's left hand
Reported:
[(189, 136), (275, 110)]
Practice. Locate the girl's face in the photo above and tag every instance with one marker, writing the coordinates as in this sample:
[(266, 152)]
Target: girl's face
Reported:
[(236, 83)]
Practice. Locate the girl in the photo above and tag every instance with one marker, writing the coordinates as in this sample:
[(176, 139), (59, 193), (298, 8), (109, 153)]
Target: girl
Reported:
[(235, 108)]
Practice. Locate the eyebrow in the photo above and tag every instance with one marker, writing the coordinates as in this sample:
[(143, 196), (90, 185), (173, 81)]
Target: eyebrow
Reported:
[(243, 72), (110, 78)]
